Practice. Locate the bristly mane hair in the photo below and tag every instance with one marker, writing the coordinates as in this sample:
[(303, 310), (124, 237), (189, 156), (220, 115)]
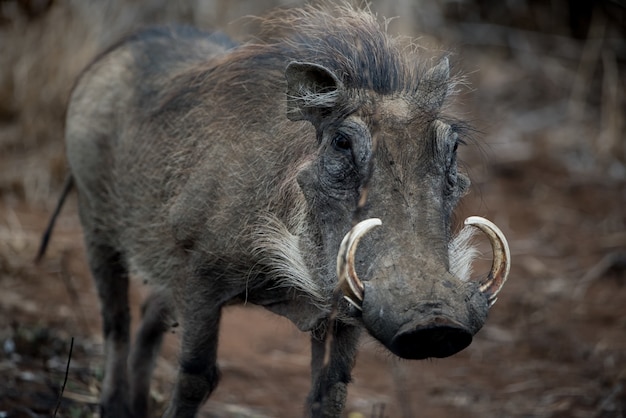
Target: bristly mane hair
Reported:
[(351, 42)]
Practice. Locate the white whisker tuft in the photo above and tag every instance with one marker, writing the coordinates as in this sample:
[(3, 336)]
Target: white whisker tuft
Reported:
[(279, 257), (462, 253)]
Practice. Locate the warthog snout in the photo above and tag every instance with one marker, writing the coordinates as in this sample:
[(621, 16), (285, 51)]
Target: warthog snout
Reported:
[(415, 328), (418, 329), (438, 336)]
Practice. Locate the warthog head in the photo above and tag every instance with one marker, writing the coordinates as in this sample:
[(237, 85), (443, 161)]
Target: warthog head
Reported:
[(389, 160)]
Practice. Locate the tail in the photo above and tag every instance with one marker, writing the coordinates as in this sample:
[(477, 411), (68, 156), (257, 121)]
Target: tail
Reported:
[(67, 187)]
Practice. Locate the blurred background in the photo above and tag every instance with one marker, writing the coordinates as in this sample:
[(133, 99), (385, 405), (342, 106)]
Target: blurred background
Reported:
[(546, 84)]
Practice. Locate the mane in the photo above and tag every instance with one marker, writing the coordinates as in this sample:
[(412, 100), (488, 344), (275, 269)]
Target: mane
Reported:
[(351, 42)]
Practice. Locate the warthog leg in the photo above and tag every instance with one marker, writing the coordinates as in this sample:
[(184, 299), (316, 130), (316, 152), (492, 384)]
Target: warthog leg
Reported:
[(156, 321), (198, 373), (111, 278), (331, 372)]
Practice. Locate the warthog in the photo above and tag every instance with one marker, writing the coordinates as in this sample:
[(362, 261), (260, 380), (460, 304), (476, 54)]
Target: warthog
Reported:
[(311, 171)]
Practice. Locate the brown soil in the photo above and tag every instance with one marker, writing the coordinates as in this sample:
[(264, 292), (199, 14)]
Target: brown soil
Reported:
[(548, 166)]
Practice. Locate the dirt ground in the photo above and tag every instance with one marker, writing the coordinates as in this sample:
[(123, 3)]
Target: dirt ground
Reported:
[(546, 94)]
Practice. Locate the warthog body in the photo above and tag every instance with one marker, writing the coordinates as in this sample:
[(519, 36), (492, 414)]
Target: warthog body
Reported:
[(224, 173)]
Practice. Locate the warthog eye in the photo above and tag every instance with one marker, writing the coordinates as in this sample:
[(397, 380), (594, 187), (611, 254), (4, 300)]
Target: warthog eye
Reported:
[(452, 169), (342, 143), (451, 180), (455, 137)]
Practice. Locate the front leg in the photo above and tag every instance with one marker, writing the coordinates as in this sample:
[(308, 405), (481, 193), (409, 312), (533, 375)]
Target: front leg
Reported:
[(331, 372), (198, 373)]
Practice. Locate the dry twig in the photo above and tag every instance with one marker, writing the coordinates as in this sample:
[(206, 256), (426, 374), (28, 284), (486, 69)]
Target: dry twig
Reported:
[(67, 372)]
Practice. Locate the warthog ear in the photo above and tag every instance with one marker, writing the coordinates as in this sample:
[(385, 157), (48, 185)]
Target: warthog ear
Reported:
[(312, 89), (435, 85)]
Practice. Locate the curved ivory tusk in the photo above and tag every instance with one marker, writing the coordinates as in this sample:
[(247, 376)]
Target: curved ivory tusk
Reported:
[(349, 282), (501, 264)]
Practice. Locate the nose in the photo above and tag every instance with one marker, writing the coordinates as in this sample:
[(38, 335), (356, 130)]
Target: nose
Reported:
[(437, 337)]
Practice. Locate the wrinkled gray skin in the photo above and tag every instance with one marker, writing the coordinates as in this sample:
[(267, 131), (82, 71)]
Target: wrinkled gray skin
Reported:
[(225, 174)]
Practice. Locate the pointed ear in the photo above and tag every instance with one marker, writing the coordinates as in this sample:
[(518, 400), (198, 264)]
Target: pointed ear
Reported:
[(435, 85), (312, 90)]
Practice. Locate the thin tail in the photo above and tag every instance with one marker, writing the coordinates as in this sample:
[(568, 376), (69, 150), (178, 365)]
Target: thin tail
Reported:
[(67, 187)]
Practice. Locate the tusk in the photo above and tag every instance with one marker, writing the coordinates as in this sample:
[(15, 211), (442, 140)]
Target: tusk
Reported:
[(349, 282), (501, 264)]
